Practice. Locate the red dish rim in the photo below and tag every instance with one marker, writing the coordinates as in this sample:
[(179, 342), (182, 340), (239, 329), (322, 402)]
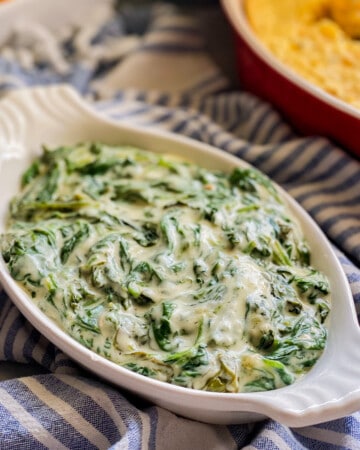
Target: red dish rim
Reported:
[(236, 16)]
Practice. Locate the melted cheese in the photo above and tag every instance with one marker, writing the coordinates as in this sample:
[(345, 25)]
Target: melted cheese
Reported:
[(315, 38)]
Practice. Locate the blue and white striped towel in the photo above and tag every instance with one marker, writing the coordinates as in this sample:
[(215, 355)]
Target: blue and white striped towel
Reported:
[(64, 406)]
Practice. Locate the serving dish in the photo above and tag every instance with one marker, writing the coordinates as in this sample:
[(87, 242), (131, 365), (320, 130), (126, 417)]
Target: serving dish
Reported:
[(308, 108), (57, 115)]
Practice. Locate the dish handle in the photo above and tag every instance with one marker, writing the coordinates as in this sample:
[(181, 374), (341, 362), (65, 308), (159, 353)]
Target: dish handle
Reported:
[(21, 111), (333, 394)]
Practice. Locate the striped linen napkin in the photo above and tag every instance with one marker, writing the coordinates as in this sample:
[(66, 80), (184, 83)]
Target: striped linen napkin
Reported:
[(64, 406)]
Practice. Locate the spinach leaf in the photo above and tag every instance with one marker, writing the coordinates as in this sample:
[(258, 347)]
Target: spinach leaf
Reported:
[(73, 241), (50, 184), (162, 328), (31, 173)]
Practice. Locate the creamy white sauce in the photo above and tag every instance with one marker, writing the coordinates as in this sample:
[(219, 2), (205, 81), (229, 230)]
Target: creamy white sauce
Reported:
[(189, 276)]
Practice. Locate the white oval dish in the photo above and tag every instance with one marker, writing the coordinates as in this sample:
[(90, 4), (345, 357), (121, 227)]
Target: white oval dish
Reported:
[(57, 115)]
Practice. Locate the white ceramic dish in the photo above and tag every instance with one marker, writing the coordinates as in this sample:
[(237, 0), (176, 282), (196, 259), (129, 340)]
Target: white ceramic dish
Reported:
[(56, 115)]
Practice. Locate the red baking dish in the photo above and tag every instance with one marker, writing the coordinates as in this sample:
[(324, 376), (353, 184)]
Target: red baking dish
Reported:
[(308, 108)]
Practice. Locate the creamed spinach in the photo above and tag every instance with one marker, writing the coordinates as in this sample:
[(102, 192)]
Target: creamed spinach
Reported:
[(190, 276)]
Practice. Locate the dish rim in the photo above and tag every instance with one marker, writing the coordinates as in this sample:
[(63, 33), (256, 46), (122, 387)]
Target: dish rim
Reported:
[(235, 13), (16, 122)]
